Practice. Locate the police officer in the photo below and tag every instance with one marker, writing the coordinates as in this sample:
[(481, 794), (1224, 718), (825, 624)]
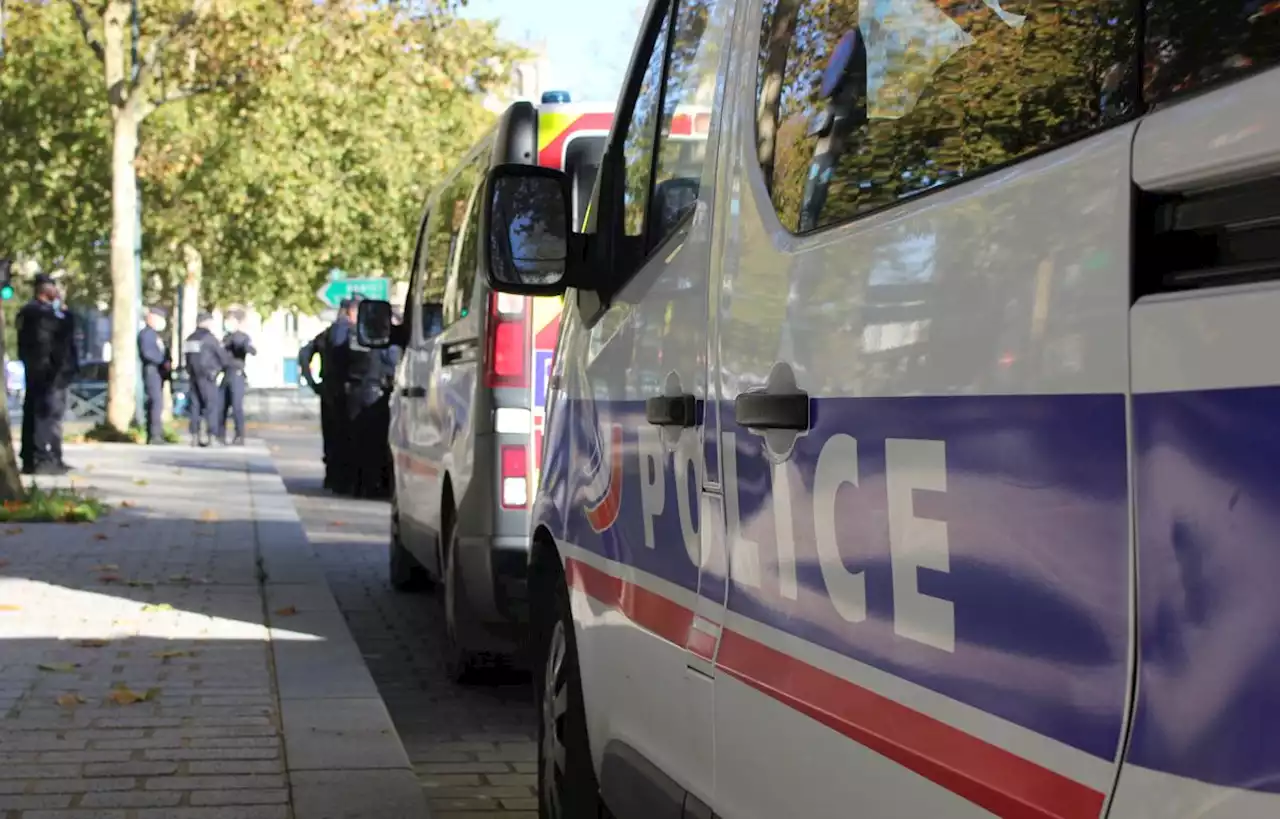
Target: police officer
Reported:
[(330, 344), (206, 358), (157, 364), (380, 443), (43, 347), (68, 366), (317, 347), (239, 347), (348, 365), (368, 406)]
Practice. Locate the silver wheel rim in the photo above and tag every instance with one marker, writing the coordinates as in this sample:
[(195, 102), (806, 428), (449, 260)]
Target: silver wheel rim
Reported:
[(555, 706)]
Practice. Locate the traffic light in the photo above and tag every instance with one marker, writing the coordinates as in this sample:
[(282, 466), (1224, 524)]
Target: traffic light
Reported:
[(6, 279)]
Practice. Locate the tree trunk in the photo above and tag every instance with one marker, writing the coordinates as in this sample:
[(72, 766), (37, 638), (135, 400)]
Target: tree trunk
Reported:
[(190, 292), (122, 376), (10, 480), (781, 32)]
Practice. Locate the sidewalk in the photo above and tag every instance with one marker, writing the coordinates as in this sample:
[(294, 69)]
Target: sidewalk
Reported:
[(199, 597)]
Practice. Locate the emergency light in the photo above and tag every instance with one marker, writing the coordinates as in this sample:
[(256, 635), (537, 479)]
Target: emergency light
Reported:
[(555, 97)]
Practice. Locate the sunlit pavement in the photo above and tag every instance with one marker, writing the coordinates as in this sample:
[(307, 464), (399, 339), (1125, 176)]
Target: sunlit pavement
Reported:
[(472, 747), (182, 657)]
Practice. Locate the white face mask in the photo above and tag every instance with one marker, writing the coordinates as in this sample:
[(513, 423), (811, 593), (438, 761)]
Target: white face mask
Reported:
[(161, 324)]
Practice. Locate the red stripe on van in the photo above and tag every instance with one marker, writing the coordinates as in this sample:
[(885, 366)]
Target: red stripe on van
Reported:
[(988, 776)]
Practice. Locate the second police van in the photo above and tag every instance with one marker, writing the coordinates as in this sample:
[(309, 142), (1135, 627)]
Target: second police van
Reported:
[(467, 411), (913, 446)]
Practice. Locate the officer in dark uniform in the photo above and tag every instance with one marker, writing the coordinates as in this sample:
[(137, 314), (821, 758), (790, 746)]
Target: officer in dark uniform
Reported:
[(206, 358), (368, 405), (239, 347), (382, 418), (68, 365), (317, 347), (157, 364), (330, 345), (42, 330), (348, 366)]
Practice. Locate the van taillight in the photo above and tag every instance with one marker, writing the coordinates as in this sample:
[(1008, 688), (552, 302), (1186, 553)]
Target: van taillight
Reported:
[(507, 362), (515, 477)]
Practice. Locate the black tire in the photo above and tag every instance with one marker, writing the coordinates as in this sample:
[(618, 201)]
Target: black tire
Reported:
[(567, 786), (404, 570), (461, 665)]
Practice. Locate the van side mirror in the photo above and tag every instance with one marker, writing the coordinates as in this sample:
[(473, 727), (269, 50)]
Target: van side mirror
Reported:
[(525, 230), (373, 324), (672, 200), (432, 319)]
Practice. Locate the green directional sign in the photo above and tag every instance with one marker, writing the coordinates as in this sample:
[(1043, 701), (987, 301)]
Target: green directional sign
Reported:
[(334, 291)]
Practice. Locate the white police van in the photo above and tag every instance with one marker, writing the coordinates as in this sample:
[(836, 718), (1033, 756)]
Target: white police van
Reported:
[(914, 445)]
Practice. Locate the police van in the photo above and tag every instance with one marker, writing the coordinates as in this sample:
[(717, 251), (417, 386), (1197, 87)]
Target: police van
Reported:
[(466, 412), (914, 444)]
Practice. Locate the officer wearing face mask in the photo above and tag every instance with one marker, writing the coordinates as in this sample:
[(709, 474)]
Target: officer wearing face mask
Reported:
[(156, 366), (206, 359)]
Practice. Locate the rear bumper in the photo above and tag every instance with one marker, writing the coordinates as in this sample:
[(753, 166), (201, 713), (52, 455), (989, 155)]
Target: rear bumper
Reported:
[(495, 572)]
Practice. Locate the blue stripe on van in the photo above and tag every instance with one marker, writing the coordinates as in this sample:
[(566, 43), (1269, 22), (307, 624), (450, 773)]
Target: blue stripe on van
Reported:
[(1208, 495), (1037, 525)]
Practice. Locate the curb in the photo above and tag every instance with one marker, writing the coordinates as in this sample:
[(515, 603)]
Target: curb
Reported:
[(342, 753)]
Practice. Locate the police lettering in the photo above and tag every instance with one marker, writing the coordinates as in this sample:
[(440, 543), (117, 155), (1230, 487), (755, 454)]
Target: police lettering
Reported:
[(914, 543)]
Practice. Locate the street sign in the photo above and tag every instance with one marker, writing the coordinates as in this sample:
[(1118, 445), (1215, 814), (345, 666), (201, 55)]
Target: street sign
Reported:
[(334, 291)]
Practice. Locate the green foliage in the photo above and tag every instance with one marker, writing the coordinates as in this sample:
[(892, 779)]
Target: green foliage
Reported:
[(325, 163), (55, 177), (52, 506), (278, 139)]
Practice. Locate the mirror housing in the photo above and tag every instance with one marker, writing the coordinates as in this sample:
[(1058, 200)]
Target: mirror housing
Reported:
[(432, 319), (525, 235), (373, 324)]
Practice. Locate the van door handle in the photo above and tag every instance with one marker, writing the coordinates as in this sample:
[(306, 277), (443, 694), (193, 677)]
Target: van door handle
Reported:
[(763, 410), (672, 411), (413, 392)]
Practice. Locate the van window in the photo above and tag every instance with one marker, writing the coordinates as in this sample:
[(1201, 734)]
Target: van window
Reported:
[(856, 113), (433, 269), (454, 208), (686, 115), (1192, 44), (642, 132)]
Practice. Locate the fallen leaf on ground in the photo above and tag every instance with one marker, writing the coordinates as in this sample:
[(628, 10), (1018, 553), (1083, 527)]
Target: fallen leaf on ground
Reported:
[(13, 530), (287, 611), (139, 482), (164, 655), (179, 578), (127, 504), (109, 578), (106, 567), (101, 536), (93, 643), (208, 515), (337, 523), (126, 696), (140, 584), (9, 607), (58, 666), (157, 607), (69, 700)]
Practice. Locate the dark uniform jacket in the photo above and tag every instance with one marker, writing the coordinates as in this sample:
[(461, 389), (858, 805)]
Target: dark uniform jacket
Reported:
[(46, 344), (153, 353), (205, 355), (239, 347)]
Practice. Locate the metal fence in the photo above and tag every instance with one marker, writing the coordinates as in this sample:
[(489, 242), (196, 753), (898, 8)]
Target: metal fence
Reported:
[(87, 404)]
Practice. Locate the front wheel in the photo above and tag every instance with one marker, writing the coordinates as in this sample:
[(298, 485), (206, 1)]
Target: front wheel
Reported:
[(567, 786)]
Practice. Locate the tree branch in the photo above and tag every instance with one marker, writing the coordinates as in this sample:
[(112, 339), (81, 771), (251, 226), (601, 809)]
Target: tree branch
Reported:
[(179, 94), (86, 29), (148, 63)]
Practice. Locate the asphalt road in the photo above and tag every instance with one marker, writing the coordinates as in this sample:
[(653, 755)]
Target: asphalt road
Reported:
[(472, 746)]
